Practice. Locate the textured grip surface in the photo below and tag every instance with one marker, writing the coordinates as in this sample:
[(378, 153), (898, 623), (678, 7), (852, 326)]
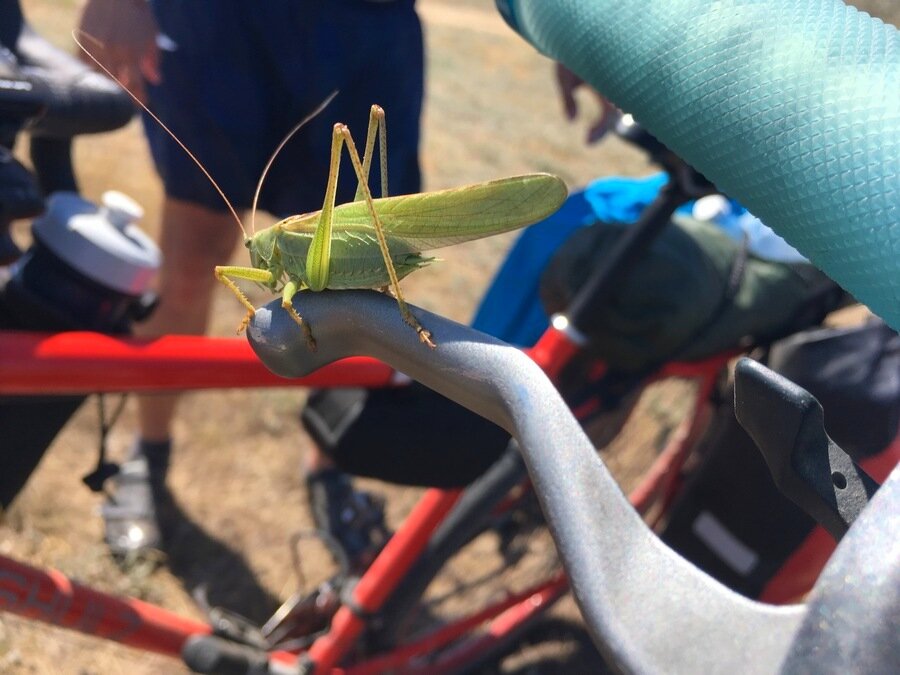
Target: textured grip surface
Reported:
[(790, 106)]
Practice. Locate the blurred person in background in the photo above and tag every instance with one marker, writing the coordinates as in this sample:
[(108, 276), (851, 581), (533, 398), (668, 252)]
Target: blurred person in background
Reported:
[(230, 78)]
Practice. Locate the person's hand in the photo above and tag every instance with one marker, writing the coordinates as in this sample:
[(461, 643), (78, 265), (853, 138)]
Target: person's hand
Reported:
[(568, 83), (121, 34)]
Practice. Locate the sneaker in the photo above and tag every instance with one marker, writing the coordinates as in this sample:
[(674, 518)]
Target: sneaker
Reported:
[(131, 512), (354, 519)]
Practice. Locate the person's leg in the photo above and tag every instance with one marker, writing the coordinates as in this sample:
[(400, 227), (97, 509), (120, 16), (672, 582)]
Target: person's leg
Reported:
[(193, 239), (409, 435), (208, 59), (374, 55)]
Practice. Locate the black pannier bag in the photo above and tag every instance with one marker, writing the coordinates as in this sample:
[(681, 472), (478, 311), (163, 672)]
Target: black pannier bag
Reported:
[(732, 521)]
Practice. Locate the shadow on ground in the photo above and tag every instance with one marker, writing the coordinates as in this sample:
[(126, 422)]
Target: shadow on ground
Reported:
[(210, 570), (556, 645)]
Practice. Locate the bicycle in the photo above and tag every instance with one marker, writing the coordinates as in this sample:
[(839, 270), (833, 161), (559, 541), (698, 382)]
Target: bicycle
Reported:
[(551, 482), (99, 363), (104, 364)]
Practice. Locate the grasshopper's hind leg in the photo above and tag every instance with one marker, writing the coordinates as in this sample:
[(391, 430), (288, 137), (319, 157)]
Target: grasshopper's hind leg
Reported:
[(287, 295), (405, 312), (376, 126), (318, 259), (224, 273)]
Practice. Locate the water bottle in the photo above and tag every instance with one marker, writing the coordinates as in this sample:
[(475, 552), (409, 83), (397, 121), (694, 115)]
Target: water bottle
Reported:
[(90, 267)]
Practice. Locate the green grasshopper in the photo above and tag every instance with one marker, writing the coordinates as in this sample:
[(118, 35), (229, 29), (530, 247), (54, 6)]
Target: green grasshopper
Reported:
[(373, 243)]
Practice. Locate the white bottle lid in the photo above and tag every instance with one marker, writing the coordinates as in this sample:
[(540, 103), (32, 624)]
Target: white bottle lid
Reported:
[(103, 243)]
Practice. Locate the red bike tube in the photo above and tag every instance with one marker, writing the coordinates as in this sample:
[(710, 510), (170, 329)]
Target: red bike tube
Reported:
[(662, 480), (504, 627), (80, 362), (386, 572), (553, 351), (84, 362), (52, 598), (507, 615)]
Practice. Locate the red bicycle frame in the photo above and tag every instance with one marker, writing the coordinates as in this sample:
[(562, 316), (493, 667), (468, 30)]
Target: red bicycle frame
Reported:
[(76, 362), (79, 362)]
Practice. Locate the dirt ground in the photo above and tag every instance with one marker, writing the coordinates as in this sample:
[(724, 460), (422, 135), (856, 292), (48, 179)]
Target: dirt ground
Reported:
[(491, 110)]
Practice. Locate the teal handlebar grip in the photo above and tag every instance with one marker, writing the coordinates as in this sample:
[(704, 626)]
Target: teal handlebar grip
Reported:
[(790, 106)]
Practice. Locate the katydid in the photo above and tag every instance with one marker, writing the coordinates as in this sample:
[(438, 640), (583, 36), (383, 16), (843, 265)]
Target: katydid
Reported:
[(373, 243)]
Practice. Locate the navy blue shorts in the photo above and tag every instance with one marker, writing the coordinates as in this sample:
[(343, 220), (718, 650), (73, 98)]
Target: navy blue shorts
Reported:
[(238, 75)]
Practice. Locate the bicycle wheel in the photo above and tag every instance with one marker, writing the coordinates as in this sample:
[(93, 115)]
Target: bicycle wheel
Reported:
[(474, 590)]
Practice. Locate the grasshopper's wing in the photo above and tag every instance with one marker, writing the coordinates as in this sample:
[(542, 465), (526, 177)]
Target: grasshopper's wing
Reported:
[(435, 219)]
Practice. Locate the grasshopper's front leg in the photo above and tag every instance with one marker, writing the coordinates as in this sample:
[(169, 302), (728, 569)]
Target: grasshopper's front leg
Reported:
[(263, 276), (224, 273), (318, 260)]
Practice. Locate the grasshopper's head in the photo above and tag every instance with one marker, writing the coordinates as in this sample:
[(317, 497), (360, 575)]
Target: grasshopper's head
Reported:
[(262, 247)]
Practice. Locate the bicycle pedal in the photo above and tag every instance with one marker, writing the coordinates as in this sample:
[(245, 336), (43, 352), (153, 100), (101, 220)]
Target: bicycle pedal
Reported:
[(231, 626), (302, 617)]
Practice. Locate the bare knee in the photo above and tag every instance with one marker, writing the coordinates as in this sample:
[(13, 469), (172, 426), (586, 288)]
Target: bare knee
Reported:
[(193, 235), (193, 240)]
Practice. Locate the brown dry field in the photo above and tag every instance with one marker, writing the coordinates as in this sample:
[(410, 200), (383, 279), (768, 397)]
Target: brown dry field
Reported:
[(491, 110)]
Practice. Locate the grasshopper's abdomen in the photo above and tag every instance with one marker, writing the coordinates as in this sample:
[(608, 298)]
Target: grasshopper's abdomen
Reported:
[(356, 260)]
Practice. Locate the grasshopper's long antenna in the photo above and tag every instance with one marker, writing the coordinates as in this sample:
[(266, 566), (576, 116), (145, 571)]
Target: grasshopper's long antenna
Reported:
[(75, 34), (281, 145)]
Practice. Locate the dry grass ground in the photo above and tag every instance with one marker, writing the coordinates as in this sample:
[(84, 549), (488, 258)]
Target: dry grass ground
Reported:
[(491, 110)]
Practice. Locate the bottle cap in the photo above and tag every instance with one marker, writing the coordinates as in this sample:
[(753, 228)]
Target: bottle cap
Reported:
[(104, 243)]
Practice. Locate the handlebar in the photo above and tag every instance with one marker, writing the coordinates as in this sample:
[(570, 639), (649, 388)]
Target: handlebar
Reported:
[(648, 609), (55, 95), (74, 98), (631, 588)]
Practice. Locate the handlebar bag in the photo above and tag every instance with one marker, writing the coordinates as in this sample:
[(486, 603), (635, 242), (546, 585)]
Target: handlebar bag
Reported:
[(695, 292)]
